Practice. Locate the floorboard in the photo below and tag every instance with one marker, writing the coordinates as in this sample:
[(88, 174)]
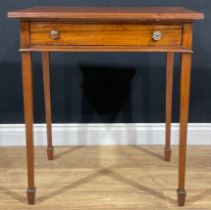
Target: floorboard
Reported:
[(105, 178)]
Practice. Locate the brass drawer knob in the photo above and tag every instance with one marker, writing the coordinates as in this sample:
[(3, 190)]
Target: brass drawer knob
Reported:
[(157, 35), (54, 34)]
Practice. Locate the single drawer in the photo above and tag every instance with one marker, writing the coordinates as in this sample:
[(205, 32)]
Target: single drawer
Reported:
[(104, 34)]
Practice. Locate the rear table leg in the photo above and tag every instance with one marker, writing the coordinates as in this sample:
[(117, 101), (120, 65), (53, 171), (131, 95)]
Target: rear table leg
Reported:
[(169, 87), (47, 96)]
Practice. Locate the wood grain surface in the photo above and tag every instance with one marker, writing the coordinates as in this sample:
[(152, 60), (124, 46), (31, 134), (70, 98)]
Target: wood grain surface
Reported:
[(109, 13), (105, 34), (27, 83), (47, 98), (168, 114), (105, 178)]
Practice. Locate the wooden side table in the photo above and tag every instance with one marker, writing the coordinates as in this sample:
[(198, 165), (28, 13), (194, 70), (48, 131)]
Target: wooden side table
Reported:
[(148, 29)]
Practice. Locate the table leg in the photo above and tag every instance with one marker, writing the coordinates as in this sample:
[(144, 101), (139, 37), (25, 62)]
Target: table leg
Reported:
[(47, 96), (184, 111), (28, 115), (169, 87)]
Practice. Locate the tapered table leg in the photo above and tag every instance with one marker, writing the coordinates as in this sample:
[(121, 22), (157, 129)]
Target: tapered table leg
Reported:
[(169, 87), (47, 96), (184, 111), (28, 115)]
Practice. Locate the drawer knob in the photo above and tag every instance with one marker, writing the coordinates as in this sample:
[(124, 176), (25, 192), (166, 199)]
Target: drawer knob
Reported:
[(157, 35), (54, 34)]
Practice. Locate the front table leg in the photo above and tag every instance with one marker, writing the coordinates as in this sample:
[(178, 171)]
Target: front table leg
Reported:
[(184, 112), (28, 115)]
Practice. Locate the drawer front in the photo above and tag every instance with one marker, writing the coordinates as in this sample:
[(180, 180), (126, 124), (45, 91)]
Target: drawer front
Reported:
[(102, 34)]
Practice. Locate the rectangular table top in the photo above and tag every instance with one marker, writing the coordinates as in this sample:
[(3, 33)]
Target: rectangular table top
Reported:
[(108, 13)]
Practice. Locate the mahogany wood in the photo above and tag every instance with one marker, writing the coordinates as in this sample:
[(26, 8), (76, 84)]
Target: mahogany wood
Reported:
[(106, 30), (169, 87), (108, 13), (28, 109), (93, 34), (184, 111), (47, 48), (47, 96)]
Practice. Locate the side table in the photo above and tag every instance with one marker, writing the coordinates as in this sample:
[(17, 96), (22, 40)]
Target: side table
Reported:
[(77, 29)]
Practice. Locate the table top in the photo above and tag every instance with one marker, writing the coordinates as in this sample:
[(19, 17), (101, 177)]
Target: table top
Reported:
[(108, 13)]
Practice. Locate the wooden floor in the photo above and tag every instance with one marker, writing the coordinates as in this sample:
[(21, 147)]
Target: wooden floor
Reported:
[(105, 178)]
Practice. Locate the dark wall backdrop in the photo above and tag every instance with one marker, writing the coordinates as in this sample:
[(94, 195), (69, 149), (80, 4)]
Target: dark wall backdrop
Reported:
[(103, 87)]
